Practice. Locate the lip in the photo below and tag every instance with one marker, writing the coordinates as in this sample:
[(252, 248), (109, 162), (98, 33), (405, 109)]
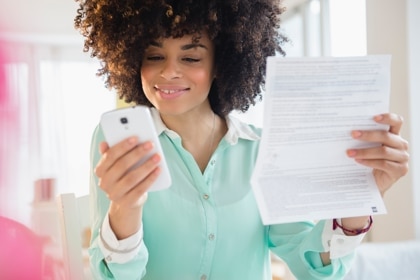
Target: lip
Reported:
[(170, 91)]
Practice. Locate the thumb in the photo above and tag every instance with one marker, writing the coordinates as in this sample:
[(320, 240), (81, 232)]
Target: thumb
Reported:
[(103, 147)]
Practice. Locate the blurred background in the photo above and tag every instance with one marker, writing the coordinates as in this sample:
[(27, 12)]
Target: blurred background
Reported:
[(51, 99)]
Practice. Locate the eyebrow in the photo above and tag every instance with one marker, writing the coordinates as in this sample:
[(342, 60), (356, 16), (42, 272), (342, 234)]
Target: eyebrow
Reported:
[(184, 47)]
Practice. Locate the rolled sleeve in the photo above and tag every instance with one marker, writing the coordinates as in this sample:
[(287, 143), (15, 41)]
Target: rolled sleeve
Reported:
[(300, 245), (337, 242), (118, 251)]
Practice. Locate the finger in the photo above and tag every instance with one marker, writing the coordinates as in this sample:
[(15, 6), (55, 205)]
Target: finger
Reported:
[(381, 136), (138, 194), (132, 179), (113, 172), (113, 153), (392, 168), (379, 153), (112, 181), (132, 157), (394, 121), (103, 147)]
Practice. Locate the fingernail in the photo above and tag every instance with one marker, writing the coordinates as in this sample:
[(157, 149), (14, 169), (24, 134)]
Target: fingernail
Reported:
[(351, 153), (156, 158), (356, 134), (378, 118), (132, 140), (147, 146)]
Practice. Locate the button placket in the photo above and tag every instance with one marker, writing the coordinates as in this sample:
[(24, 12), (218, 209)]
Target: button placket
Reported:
[(211, 231), (208, 177), (209, 217)]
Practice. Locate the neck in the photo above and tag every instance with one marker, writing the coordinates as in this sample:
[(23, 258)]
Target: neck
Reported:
[(192, 125), (200, 134)]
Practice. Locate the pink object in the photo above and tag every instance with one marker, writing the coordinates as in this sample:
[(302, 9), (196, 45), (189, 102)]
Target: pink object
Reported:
[(44, 189), (353, 231), (21, 254)]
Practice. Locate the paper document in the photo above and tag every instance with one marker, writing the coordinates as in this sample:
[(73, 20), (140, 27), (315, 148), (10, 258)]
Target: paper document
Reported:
[(311, 106)]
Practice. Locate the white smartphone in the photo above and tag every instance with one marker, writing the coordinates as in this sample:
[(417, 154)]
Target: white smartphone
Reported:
[(120, 124)]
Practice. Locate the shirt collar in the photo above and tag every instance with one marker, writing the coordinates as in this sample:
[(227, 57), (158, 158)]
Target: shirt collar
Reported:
[(236, 128)]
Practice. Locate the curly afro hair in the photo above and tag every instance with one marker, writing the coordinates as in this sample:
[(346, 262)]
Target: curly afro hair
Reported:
[(244, 33)]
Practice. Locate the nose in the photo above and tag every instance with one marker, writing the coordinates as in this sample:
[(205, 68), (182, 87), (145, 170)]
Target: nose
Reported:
[(170, 70)]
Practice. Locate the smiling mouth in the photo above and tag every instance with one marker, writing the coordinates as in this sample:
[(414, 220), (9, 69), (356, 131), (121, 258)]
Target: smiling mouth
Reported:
[(170, 91)]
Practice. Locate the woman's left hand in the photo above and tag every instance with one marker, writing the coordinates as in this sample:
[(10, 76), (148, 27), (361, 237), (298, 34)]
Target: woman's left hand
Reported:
[(388, 160)]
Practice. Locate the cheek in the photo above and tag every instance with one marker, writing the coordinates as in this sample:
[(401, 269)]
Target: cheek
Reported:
[(145, 78), (203, 77), (144, 75)]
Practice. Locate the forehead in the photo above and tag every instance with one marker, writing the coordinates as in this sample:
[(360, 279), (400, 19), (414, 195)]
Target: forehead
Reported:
[(193, 40)]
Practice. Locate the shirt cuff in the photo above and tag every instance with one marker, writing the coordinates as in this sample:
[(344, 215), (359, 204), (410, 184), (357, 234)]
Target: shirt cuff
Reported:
[(337, 242), (118, 251)]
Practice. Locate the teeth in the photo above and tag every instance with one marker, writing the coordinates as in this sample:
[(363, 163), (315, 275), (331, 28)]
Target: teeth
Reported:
[(168, 91)]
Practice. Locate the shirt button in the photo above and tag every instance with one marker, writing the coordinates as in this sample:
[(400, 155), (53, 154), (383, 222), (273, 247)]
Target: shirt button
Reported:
[(206, 196), (213, 162), (203, 277), (211, 236), (108, 259)]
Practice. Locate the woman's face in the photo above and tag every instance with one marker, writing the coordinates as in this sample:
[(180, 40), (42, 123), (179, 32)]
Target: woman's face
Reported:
[(176, 74)]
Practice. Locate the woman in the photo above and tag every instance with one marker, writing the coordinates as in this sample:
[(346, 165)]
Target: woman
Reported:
[(194, 62)]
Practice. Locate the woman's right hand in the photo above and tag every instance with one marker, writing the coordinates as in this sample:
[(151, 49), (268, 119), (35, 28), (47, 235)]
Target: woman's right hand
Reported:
[(125, 186)]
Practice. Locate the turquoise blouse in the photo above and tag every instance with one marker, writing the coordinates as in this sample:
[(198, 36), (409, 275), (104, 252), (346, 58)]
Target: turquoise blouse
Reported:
[(207, 225)]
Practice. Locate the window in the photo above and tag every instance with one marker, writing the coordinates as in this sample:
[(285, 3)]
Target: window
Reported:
[(60, 100), (73, 99), (347, 27), (319, 28)]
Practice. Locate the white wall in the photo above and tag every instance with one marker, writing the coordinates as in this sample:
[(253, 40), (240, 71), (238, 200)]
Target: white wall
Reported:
[(39, 20), (387, 33), (413, 22)]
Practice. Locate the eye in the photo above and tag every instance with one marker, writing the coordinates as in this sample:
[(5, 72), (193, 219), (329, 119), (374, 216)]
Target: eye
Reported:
[(154, 57), (191, 60)]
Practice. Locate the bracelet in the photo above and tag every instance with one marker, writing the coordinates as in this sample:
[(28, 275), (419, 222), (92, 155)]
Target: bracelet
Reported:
[(353, 231)]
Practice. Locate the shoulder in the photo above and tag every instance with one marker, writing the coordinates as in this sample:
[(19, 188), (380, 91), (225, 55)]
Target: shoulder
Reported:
[(97, 137), (238, 129)]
